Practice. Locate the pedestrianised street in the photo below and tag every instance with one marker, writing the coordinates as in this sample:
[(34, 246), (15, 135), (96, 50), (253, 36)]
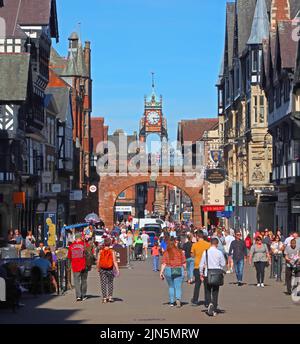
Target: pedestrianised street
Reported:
[(142, 298)]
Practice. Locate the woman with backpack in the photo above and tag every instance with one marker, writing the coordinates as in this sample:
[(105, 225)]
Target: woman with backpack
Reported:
[(259, 255), (108, 268)]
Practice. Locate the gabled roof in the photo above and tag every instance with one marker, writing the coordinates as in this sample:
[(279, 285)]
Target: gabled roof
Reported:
[(57, 62), (29, 12), (288, 47), (75, 64), (260, 25), (61, 95), (229, 36), (14, 76), (245, 13), (193, 130)]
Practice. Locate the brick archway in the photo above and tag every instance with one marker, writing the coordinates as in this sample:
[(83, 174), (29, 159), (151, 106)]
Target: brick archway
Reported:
[(111, 186)]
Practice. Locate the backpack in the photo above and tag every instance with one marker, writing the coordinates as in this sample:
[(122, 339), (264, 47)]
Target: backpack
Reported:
[(106, 259)]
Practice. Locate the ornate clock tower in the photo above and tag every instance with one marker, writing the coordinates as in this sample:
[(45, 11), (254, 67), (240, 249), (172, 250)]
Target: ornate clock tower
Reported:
[(153, 121)]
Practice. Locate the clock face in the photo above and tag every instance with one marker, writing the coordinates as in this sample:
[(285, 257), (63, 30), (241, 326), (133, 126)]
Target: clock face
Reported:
[(153, 118)]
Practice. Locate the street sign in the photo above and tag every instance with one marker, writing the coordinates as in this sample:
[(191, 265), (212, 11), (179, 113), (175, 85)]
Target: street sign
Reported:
[(93, 188)]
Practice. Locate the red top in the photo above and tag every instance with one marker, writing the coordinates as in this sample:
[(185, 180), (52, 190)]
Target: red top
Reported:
[(155, 251), (248, 242), (177, 261), (77, 256)]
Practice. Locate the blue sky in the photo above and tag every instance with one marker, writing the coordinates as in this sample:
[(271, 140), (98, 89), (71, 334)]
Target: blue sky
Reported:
[(180, 40)]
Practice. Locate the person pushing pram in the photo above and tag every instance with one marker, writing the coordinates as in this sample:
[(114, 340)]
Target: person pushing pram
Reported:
[(138, 248)]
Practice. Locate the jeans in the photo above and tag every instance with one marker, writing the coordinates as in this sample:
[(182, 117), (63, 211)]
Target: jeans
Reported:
[(175, 285), (190, 268), (212, 295), (260, 271), (198, 282), (239, 269), (276, 267), (155, 260), (80, 282)]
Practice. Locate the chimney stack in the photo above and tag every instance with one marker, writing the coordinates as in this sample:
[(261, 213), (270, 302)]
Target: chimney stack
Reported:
[(280, 11)]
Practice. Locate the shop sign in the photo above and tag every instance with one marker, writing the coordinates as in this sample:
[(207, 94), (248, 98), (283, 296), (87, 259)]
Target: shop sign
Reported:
[(211, 208), (215, 176), (123, 209), (224, 214)]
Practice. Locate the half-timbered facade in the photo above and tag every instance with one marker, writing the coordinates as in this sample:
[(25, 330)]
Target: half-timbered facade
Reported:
[(24, 58), (280, 69)]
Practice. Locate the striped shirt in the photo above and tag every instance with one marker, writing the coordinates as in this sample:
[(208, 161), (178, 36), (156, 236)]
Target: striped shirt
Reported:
[(177, 261)]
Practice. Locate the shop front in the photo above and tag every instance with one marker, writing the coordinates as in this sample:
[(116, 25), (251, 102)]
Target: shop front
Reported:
[(123, 213)]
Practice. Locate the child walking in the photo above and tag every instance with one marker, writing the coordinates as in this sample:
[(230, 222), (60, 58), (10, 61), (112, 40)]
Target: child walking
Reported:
[(155, 256)]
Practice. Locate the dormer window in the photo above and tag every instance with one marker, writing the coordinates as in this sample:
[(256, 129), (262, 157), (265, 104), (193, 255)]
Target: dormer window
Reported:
[(254, 62)]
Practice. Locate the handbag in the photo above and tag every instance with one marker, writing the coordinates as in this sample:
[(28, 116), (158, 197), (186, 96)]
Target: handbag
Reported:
[(176, 272), (215, 277)]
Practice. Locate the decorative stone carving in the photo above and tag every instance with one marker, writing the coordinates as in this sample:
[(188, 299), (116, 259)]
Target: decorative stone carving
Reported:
[(258, 175)]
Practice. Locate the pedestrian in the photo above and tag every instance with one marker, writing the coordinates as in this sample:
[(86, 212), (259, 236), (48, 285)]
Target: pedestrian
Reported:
[(30, 241), (108, 268), (155, 256), (289, 239), (228, 240), (259, 255), (145, 237), (277, 248), (221, 240), (187, 248), (238, 253), (282, 238), (130, 243), (196, 252), (248, 243), (173, 268), (76, 254), (173, 233), (53, 273), (292, 258), (212, 265)]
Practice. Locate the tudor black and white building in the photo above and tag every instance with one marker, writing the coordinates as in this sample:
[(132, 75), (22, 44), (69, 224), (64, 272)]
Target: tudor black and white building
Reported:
[(24, 64), (282, 85)]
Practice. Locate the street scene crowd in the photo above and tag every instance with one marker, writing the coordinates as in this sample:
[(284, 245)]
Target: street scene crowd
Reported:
[(179, 253)]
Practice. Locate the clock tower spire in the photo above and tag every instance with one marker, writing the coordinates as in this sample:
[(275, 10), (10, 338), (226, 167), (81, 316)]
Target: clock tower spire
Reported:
[(153, 121)]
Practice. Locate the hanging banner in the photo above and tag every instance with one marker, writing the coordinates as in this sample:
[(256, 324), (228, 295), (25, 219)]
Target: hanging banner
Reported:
[(50, 229)]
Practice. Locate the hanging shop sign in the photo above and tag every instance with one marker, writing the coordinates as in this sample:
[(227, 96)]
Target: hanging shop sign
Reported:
[(215, 155), (215, 176)]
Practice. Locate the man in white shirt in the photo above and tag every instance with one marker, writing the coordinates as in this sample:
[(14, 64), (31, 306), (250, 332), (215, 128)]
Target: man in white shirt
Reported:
[(123, 238), (228, 240), (145, 238), (288, 240), (216, 260)]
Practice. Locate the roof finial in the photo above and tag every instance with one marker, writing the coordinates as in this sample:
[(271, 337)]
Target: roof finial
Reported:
[(153, 86)]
